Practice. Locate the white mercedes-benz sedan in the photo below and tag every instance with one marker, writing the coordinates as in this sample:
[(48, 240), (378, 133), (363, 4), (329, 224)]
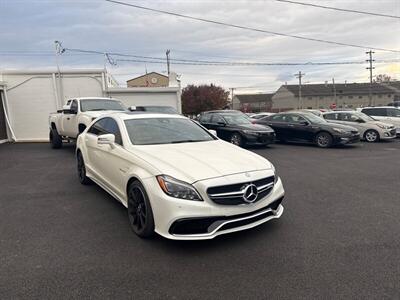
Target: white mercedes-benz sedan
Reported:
[(176, 178)]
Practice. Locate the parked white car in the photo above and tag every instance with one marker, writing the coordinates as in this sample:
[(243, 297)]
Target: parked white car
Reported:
[(370, 129), (388, 114), (176, 178), (76, 115)]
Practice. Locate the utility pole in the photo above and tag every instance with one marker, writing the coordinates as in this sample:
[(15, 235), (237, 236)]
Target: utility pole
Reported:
[(167, 54), (59, 92), (232, 90), (334, 91), (370, 68), (299, 76)]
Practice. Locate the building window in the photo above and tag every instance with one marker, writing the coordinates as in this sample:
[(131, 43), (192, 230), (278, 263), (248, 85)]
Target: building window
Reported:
[(379, 96), (340, 97), (389, 96), (321, 97), (350, 97), (309, 98), (359, 97)]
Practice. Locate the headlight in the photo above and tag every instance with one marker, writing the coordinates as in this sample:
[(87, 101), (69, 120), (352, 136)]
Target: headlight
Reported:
[(250, 132), (178, 189), (383, 126), (275, 175), (340, 130)]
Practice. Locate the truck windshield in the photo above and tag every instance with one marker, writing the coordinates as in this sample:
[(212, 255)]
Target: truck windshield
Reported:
[(101, 104), (152, 131)]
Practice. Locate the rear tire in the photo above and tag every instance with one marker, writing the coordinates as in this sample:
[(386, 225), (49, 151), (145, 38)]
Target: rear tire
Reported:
[(140, 213), (55, 139), (371, 136), (236, 139), (83, 179), (323, 140)]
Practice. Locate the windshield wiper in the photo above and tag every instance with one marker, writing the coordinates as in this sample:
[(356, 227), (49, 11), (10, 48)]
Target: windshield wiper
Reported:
[(186, 141), (97, 109)]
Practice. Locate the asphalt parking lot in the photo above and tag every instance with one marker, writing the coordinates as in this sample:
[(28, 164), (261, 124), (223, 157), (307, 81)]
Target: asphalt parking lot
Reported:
[(339, 236)]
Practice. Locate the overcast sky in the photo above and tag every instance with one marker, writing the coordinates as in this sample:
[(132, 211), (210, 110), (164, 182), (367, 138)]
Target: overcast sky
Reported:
[(28, 30)]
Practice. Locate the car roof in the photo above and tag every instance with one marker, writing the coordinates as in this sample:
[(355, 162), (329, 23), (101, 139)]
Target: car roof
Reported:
[(89, 98), (386, 106), (222, 111), (340, 111), (127, 115)]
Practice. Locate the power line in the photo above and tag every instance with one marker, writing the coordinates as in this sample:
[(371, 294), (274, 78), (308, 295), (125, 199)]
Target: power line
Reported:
[(248, 28), (340, 9)]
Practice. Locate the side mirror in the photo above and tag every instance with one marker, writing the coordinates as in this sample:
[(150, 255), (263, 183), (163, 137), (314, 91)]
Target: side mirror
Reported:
[(132, 108), (304, 123), (106, 139)]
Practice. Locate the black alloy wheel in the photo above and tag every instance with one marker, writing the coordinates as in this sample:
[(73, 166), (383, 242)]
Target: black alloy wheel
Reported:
[(83, 179), (323, 140), (236, 139), (139, 211)]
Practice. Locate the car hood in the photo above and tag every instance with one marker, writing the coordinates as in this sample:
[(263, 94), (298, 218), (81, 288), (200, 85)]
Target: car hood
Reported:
[(254, 127), (381, 123), (191, 162)]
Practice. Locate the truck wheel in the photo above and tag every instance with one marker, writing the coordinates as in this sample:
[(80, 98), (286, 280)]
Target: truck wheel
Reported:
[(55, 139)]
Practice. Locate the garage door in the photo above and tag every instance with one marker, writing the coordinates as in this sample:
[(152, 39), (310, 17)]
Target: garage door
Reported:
[(3, 131)]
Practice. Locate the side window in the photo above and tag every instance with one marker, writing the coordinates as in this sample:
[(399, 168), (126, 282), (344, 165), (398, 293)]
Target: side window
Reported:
[(205, 118), (74, 106), (295, 119), (107, 125), (278, 118), (375, 111), (98, 128), (392, 112), (215, 118), (111, 126), (331, 116)]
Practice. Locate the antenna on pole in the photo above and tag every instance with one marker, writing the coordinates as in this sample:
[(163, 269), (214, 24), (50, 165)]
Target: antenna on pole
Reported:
[(370, 68), (300, 102), (167, 54)]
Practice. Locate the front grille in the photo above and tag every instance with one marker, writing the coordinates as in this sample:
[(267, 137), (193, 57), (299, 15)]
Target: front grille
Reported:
[(233, 194)]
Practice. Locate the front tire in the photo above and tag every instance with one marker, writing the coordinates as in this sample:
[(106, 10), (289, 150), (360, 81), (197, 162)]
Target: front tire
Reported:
[(236, 139), (83, 179), (140, 213), (371, 136), (324, 140), (55, 139)]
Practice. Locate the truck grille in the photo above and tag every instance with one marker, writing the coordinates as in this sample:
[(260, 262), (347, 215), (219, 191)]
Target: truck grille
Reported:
[(234, 194)]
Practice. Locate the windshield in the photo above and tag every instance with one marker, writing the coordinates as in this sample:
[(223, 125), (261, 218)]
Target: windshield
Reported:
[(101, 104), (159, 109), (364, 117), (314, 119), (236, 119), (153, 131)]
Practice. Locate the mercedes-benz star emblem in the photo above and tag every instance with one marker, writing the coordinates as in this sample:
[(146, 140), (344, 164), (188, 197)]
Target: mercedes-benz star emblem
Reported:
[(250, 193)]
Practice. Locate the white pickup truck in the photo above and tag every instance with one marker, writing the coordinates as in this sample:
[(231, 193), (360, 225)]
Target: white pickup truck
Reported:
[(76, 115)]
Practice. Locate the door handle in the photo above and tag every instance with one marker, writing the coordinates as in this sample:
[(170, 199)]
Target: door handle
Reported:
[(67, 118), (290, 125)]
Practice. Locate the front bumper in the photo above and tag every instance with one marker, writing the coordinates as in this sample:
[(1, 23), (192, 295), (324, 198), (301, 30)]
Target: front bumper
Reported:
[(388, 134), (220, 219), (346, 139), (260, 139)]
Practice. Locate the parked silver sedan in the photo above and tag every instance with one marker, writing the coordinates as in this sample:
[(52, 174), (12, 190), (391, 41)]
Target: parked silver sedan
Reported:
[(370, 129)]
